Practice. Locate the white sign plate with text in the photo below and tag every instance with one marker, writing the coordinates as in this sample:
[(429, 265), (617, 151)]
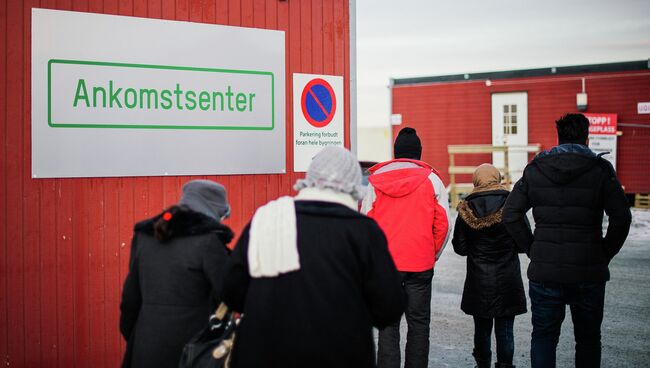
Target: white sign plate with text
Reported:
[(126, 96), (318, 110), (643, 108)]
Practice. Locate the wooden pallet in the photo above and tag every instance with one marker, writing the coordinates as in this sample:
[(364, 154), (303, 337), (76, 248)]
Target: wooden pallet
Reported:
[(460, 190), (642, 200)]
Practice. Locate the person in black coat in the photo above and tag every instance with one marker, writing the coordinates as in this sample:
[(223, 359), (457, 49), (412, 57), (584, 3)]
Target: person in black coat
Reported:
[(493, 292), (174, 278), (312, 276), (568, 187)]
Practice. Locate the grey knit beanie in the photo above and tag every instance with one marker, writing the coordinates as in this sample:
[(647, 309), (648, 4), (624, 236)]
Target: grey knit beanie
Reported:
[(334, 168), (206, 197)]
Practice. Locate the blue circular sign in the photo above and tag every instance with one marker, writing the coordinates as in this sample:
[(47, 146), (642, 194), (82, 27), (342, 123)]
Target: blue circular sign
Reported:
[(318, 102)]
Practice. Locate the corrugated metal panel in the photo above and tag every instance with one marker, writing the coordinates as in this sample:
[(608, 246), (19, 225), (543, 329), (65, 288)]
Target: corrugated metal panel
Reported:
[(460, 113), (65, 242)]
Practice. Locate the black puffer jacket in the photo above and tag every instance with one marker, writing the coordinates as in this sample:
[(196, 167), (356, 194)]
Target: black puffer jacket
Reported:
[(568, 188), (172, 288), (493, 286)]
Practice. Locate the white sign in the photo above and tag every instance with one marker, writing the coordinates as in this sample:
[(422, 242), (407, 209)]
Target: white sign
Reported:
[(125, 96), (602, 134), (643, 107), (600, 143), (318, 110)]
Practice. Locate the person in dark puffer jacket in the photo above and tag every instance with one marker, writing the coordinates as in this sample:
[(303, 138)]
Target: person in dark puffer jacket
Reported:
[(493, 292), (568, 188)]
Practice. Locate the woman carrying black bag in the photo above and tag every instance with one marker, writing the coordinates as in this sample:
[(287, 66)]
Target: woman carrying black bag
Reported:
[(177, 258), (493, 293)]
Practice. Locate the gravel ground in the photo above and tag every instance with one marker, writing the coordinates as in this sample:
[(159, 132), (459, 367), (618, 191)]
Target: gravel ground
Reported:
[(625, 330)]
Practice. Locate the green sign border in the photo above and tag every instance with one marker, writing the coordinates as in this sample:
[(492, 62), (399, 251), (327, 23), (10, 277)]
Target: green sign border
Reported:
[(148, 66)]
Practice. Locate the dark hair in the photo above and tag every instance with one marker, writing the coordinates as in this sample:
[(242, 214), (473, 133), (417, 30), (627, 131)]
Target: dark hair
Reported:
[(164, 225), (407, 144), (572, 128)]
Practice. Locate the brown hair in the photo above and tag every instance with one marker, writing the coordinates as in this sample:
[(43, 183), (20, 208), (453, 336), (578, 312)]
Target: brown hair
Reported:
[(164, 226)]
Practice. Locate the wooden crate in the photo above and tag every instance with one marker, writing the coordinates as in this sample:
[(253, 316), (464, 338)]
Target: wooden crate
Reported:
[(458, 190), (642, 200)]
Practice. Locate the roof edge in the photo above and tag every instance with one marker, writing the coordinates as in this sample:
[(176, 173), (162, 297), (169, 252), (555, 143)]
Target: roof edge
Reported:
[(527, 73)]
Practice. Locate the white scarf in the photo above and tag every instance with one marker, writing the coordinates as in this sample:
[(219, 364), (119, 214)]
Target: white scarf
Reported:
[(273, 239)]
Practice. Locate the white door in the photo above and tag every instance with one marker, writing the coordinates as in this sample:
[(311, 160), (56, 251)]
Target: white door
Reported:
[(510, 128)]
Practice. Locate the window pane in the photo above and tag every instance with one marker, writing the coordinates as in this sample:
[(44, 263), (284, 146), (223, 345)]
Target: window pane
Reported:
[(513, 108), (513, 129), (513, 120), (506, 108)]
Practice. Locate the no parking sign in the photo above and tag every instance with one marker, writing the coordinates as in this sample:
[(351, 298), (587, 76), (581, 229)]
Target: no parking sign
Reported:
[(317, 116)]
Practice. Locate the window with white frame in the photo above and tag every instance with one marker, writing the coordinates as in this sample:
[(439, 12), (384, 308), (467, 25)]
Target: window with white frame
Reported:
[(509, 119)]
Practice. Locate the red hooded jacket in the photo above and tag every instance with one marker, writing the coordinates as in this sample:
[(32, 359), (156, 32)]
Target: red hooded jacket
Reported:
[(409, 202)]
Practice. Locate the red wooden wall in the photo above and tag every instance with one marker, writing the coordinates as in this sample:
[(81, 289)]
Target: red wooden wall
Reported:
[(65, 242), (460, 113)]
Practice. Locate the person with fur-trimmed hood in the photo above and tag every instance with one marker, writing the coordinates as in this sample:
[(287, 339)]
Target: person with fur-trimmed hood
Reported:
[(493, 292), (410, 203)]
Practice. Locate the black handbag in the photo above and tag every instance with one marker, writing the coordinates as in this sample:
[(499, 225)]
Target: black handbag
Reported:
[(212, 346)]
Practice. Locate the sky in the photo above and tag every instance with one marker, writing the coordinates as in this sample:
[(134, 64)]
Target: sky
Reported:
[(409, 38)]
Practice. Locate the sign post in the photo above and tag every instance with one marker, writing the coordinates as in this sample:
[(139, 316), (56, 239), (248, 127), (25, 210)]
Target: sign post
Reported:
[(317, 116), (602, 135)]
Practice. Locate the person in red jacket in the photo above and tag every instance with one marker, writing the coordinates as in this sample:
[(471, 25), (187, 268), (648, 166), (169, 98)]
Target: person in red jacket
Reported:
[(408, 200)]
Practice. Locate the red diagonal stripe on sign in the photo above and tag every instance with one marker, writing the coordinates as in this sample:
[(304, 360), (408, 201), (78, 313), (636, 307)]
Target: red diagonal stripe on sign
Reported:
[(327, 114)]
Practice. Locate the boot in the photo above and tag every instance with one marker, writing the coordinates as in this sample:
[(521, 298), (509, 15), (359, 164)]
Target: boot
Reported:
[(482, 361), (503, 365)]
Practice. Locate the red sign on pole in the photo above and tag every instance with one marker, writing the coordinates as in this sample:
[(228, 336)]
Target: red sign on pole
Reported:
[(602, 124)]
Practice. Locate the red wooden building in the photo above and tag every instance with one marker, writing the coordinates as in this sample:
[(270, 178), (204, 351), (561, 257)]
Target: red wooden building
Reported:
[(64, 243), (521, 106)]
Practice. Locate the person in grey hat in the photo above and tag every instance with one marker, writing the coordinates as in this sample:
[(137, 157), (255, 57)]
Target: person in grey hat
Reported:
[(174, 278), (312, 275), (206, 197)]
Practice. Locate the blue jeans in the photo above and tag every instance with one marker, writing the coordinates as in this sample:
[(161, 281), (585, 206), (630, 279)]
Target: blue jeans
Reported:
[(417, 286), (548, 304), (504, 336)]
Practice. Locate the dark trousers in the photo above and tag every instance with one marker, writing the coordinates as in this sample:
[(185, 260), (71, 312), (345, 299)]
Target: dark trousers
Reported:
[(548, 304), (417, 286), (504, 336)]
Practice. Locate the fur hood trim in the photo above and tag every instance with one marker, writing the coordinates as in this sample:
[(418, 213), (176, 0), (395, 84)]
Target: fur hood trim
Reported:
[(478, 223), (188, 223)]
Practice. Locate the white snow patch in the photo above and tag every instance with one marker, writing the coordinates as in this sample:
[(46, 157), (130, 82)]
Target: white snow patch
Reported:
[(640, 229)]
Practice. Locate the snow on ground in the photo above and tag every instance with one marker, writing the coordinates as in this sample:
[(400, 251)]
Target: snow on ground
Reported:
[(640, 229)]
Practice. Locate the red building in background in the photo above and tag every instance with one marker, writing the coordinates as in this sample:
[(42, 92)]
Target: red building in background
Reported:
[(520, 107)]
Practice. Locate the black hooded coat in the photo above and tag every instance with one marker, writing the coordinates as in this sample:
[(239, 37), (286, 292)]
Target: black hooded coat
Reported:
[(493, 286), (320, 316), (568, 188)]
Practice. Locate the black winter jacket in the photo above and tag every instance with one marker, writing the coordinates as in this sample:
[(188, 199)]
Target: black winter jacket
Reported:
[(568, 188), (171, 288), (321, 315), (493, 286)]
